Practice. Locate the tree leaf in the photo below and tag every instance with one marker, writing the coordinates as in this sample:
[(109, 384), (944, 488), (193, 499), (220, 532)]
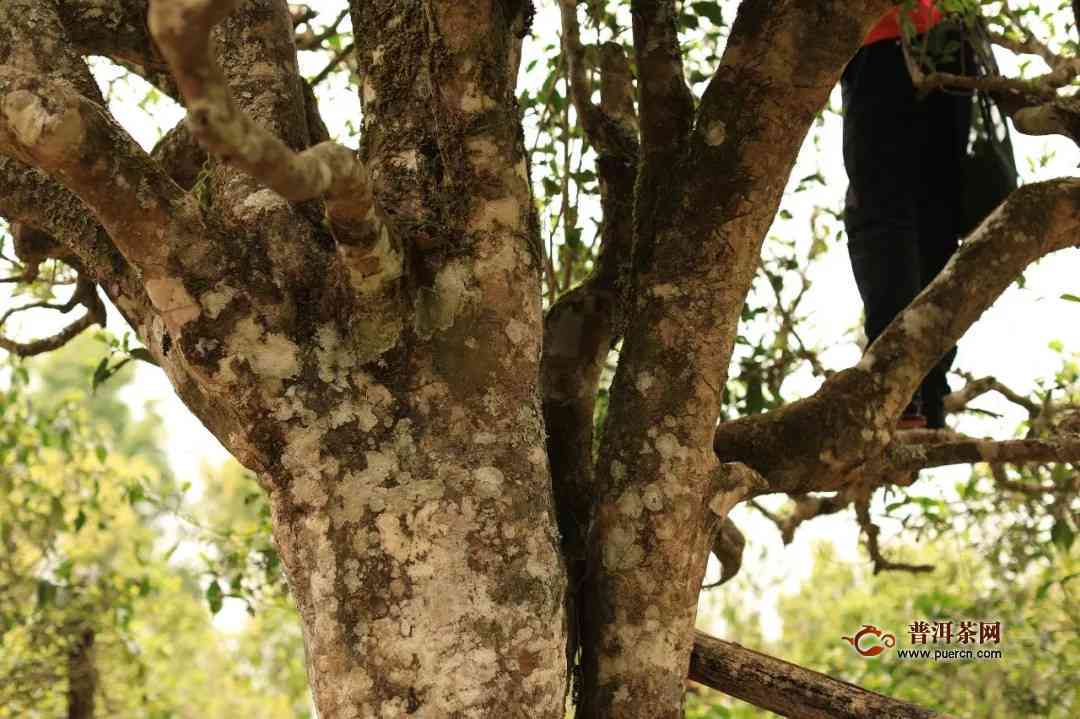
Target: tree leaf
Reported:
[(1062, 535), (214, 597)]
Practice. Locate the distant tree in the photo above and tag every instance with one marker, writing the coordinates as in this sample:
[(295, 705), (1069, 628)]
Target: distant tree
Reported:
[(94, 620)]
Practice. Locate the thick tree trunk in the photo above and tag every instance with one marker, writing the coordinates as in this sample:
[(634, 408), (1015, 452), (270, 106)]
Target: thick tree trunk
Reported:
[(708, 188), (412, 498)]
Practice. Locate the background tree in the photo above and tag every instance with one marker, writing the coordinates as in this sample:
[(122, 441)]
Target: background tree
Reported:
[(363, 329), (98, 614)]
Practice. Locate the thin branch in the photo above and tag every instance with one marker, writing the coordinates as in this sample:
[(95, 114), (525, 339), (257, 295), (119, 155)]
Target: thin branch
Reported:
[(86, 295), (335, 62), (788, 689), (1036, 87), (1028, 45), (975, 388), (871, 530), (611, 126), (32, 306), (667, 107), (310, 40), (329, 170)]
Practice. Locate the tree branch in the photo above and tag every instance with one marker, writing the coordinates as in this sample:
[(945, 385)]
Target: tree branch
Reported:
[(48, 124), (328, 170), (667, 107), (871, 530), (822, 442), (788, 689), (610, 127), (115, 29), (85, 295), (969, 450)]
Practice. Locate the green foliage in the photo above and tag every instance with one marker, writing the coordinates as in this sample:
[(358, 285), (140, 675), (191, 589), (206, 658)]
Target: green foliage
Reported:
[(90, 536)]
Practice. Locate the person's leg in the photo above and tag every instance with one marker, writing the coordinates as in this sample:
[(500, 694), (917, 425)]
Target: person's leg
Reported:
[(949, 115), (882, 143)]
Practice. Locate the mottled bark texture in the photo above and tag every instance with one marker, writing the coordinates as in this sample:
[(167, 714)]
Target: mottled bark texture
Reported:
[(790, 690), (381, 376), (709, 184)]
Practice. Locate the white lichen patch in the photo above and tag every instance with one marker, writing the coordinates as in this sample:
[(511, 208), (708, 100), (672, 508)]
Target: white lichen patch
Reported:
[(653, 497), (473, 100), (261, 202), (406, 160), (333, 358), (630, 504), (304, 460), (666, 291), (34, 126), (622, 551), (538, 456), (482, 152), (393, 540), (173, 301), (271, 356), (489, 481), (517, 332), (644, 381), (217, 299), (669, 448), (715, 133), (306, 489), (438, 307), (923, 321), (368, 89)]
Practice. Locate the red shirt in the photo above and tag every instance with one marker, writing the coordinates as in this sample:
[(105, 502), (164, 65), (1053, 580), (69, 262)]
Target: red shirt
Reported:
[(924, 16)]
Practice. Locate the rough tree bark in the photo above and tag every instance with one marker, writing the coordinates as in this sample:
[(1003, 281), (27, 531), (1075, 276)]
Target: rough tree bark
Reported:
[(364, 329)]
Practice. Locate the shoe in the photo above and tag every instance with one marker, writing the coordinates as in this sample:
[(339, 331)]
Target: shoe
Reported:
[(913, 417)]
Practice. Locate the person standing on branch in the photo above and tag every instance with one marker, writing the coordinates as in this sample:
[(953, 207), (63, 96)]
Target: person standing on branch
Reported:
[(904, 152)]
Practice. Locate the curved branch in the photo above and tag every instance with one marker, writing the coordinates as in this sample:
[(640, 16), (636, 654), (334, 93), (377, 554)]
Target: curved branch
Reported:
[(117, 30), (50, 125), (728, 549), (823, 442), (871, 530), (328, 170), (86, 295), (610, 127)]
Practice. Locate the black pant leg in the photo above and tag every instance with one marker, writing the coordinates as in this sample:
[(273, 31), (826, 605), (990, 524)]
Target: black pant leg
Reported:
[(882, 143)]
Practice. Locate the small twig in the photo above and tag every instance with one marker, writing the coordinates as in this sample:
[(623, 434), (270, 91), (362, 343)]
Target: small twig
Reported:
[(871, 530), (333, 64)]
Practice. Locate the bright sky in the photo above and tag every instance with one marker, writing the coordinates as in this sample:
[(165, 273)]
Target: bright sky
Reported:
[(1010, 341)]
